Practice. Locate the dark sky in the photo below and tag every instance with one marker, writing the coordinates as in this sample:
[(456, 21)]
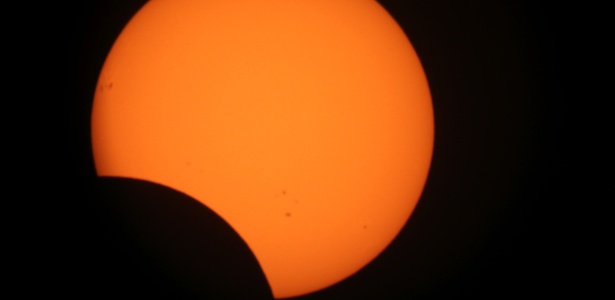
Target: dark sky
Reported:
[(487, 225)]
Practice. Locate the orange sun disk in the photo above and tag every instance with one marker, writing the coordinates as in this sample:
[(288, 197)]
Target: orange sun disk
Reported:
[(306, 125)]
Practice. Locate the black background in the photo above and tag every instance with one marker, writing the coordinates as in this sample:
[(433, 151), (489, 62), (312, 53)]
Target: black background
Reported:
[(489, 224)]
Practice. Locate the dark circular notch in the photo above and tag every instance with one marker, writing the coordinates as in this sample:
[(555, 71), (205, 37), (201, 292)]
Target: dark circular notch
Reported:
[(169, 244)]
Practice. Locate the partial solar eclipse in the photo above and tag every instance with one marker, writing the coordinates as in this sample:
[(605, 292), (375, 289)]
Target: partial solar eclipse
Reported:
[(307, 125)]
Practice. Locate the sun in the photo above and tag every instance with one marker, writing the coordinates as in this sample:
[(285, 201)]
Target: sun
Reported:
[(306, 125)]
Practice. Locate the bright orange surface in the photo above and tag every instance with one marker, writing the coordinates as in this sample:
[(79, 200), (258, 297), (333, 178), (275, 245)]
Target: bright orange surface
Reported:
[(306, 124)]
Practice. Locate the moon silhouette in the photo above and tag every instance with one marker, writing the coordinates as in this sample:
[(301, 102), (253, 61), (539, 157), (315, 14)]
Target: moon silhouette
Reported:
[(189, 247)]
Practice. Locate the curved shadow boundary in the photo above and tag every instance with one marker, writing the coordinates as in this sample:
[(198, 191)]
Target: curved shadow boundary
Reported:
[(181, 248)]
